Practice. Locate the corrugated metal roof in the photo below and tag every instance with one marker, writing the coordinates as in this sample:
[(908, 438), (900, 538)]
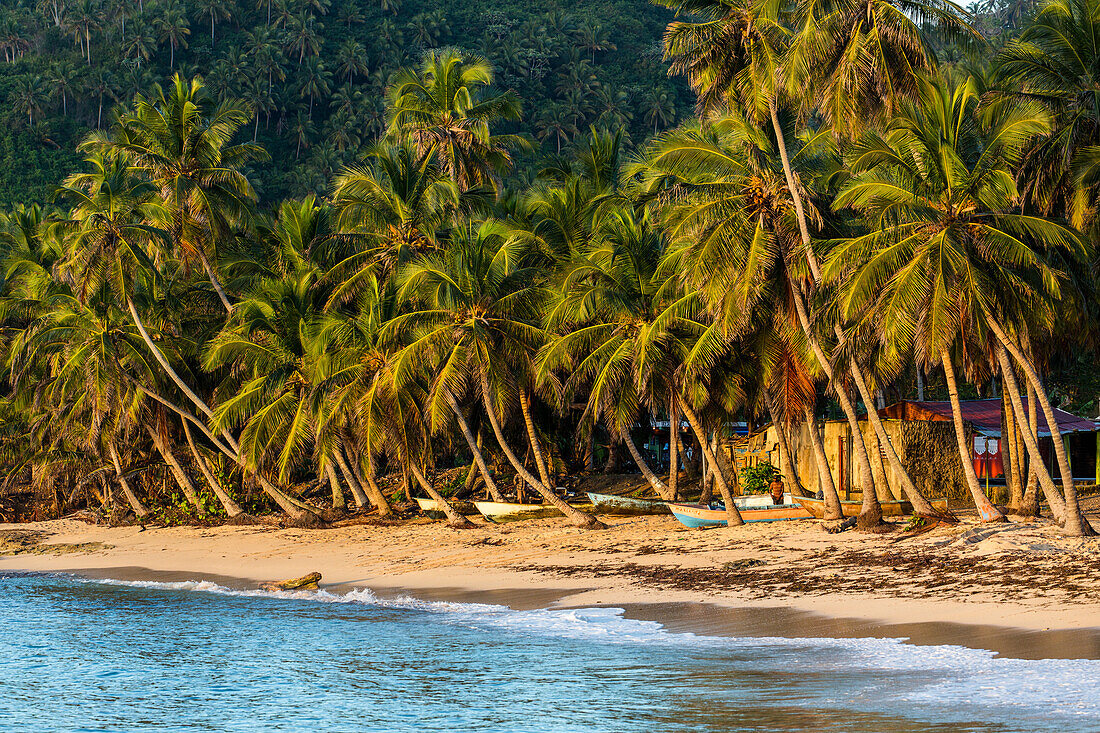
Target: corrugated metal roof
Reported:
[(984, 415)]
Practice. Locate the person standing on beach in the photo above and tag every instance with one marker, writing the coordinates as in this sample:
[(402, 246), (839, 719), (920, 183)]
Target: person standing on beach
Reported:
[(776, 487)]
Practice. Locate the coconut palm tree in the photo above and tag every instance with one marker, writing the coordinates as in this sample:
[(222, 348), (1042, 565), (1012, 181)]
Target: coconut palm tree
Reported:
[(180, 141), (722, 194), (215, 9), (395, 206), (114, 246), (614, 335), (1056, 63), (937, 191), (473, 308), (174, 28), (441, 106)]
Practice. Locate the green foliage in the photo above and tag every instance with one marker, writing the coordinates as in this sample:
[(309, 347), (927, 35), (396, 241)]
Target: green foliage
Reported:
[(756, 479), (315, 73)]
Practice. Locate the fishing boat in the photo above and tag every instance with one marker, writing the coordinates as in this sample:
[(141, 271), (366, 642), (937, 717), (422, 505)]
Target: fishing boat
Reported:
[(432, 509), (698, 515), (852, 508), (756, 501), (611, 504), (506, 511)]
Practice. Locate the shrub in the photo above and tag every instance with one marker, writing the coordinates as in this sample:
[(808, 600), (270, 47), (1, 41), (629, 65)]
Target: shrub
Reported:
[(755, 479)]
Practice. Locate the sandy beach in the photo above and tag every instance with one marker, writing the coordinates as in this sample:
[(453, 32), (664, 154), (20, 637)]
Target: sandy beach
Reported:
[(964, 584)]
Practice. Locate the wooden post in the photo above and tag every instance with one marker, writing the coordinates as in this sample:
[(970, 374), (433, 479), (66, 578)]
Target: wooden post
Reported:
[(1069, 454)]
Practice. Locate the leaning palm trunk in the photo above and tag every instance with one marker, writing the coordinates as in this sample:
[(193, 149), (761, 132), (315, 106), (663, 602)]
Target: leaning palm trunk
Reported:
[(338, 501), (673, 450), (1035, 458), (475, 448), (532, 436), (733, 516), (986, 510), (187, 486), (1031, 492), (231, 507), (920, 504), (1010, 441), (576, 516), (215, 281), (349, 476), (833, 509), (870, 514), (658, 485), (454, 519), (786, 458), (1076, 524), (796, 194), (364, 480), (300, 512), (135, 502)]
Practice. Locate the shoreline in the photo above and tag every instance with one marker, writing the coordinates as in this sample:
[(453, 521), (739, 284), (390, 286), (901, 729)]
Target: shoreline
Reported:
[(1019, 590)]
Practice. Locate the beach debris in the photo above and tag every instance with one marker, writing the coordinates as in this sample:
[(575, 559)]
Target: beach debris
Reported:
[(741, 564), (24, 542), (306, 582), (837, 527)]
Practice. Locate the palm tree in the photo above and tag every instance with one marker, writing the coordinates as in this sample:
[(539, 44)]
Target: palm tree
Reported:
[(214, 9), (142, 43), (305, 36), (742, 54), (658, 108), (30, 94), (555, 123), (861, 59), (614, 335), (351, 60), (1056, 63), (111, 251), (441, 106), (64, 82), (944, 248), (721, 192), (314, 81), (180, 141), (278, 374), (397, 204), (472, 309), (174, 28), (302, 129), (594, 39), (102, 84)]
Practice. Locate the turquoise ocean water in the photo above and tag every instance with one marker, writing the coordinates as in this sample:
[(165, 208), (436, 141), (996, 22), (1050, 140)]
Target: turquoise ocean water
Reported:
[(82, 655)]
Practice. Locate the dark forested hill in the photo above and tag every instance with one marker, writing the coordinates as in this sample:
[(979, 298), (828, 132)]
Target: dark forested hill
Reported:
[(315, 71)]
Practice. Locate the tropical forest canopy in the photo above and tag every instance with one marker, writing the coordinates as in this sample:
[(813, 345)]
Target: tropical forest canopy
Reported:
[(299, 283), (316, 72)]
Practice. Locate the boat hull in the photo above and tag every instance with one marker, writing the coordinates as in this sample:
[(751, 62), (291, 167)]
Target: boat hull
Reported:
[(504, 511), (697, 516), (852, 508), (626, 505), (432, 509)]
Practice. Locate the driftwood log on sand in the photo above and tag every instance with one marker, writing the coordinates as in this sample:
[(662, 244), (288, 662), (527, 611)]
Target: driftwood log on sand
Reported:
[(306, 582)]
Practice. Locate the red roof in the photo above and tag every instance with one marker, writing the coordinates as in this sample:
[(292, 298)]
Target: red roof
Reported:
[(984, 415)]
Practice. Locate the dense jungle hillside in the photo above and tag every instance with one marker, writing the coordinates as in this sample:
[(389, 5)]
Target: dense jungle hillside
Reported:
[(315, 70)]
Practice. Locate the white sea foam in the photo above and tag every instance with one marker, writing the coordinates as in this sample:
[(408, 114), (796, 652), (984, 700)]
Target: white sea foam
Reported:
[(593, 624), (937, 676)]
